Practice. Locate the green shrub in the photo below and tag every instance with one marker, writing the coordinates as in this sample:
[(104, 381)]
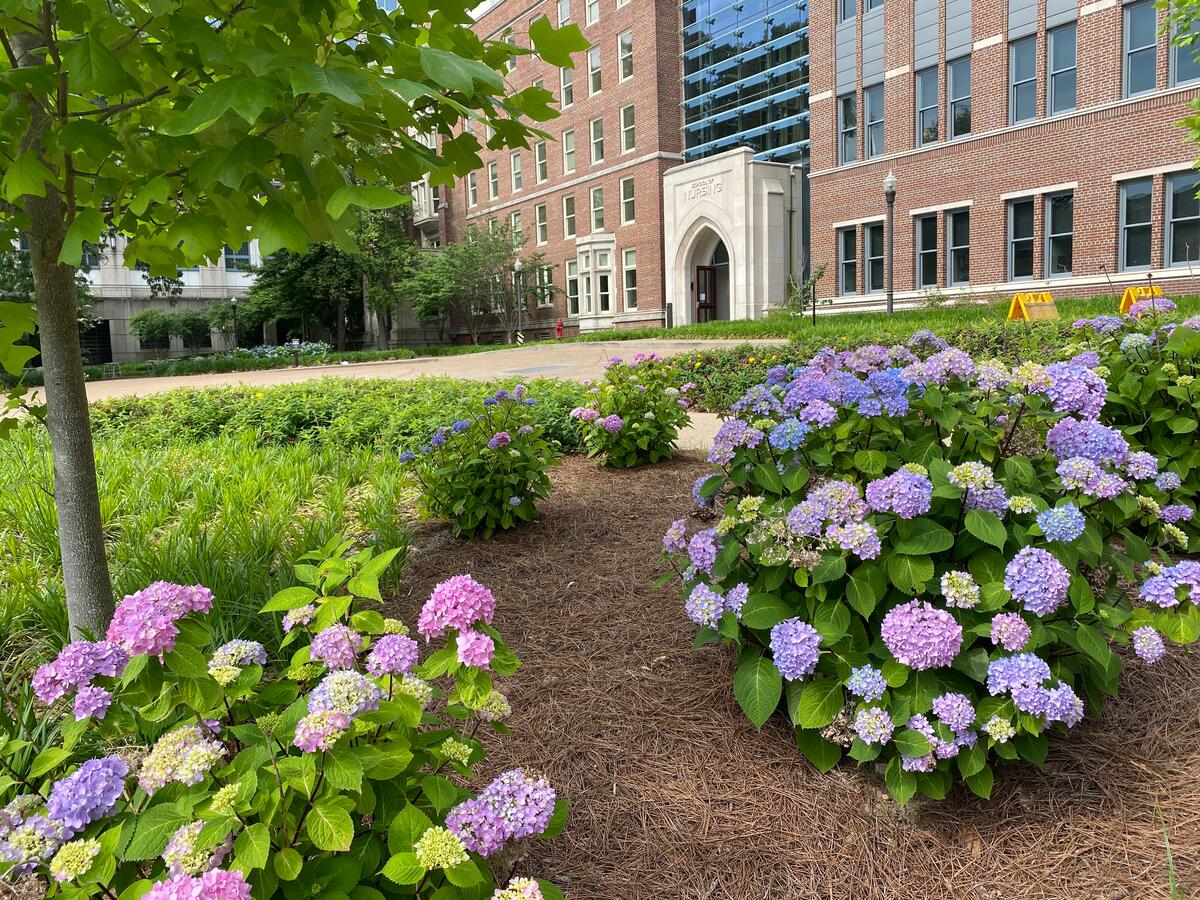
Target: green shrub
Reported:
[(633, 415), (485, 473)]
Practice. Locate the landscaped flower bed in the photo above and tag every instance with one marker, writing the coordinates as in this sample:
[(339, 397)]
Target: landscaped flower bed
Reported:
[(925, 557)]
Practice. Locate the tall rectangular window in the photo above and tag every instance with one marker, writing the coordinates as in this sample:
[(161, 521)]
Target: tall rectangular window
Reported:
[(927, 251), (958, 247), (1020, 239), (1135, 224), (1060, 234), (540, 163), (1022, 80), (597, 209), (627, 201), (564, 12), (927, 106), (847, 129), (572, 275), (541, 225), (629, 277), (873, 249), (514, 225), (624, 55), (958, 93), (847, 9), (516, 171), (594, 79), (628, 133), (873, 103), (472, 190), (847, 261), (592, 11), (1185, 63), (1141, 47), (569, 216), (597, 128), (568, 88), (1060, 64), (545, 285), (493, 180), (1183, 219), (568, 150)]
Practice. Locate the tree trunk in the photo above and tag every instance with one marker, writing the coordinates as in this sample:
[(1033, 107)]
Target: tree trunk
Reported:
[(76, 493), (341, 323)]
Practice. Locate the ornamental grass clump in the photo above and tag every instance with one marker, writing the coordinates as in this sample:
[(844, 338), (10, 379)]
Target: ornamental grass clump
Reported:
[(1152, 360), (925, 559), (228, 776), (487, 473), (634, 413)]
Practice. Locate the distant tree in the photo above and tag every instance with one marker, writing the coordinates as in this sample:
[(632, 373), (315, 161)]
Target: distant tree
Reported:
[(317, 285), (153, 328), (478, 274), (192, 326), (427, 291), (16, 285), (387, 258), (1183, 22)]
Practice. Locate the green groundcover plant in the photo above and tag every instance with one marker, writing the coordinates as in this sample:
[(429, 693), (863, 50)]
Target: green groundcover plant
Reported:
[(634, 414), (927, 559), (217, 774), (488, 472), (1154, 397)]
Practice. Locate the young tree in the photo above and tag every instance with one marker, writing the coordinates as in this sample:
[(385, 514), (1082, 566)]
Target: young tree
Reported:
[(153, 328), (191, 124), (387, 258), (478, 275), (427, 291)]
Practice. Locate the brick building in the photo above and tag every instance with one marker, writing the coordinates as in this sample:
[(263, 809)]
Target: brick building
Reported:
[(1035, 144)]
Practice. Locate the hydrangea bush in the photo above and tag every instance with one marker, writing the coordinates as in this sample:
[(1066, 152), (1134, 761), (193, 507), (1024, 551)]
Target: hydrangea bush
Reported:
[(635, 412), (927, 560), (487, 473), (226, 779), (1153, 363)]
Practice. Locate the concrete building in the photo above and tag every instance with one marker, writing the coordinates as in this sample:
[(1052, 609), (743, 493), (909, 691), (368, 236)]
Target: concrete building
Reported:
[(1035, 145)]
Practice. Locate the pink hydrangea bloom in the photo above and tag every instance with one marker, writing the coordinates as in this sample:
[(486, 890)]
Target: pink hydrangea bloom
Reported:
[(91, 702), (475, 648), (76, 665), (393, 654), (218, 884), (144, 622), (457, 602), (922, 636), (337, 646), (320, 730)]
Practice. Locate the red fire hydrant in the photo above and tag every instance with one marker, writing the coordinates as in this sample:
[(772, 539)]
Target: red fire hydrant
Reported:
[(558, 328)]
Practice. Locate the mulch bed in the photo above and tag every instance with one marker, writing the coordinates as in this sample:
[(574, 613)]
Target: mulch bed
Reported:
[(674, 794)]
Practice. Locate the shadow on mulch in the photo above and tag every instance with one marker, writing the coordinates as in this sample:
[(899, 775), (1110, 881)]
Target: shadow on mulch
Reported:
[(675, 795)]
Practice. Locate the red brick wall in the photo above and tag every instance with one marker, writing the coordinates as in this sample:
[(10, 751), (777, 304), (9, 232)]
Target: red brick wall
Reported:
[(1104, 137), (654, 91)]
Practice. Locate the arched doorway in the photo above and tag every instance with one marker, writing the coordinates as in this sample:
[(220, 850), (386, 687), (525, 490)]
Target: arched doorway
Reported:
[(708, 268)]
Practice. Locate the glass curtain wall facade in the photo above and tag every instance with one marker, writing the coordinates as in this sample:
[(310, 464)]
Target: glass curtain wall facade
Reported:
[(745, 78)]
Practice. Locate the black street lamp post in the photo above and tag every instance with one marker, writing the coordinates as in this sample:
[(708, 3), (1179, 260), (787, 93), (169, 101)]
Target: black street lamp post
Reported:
[(889, 192)]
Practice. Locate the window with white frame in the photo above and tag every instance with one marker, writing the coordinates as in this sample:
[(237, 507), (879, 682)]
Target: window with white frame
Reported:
[(1185, 61), (624, 55), (514, 225), (594, 79), (571, 270), (516, 171), (629, 277), (873, 101), (493, 180), (873, 250), (847, 261), (927, 251), (569, 216), (628, 132), (597, 194), (568, 151), (1183, 219), (1020, 239), (1022, 80), (592, 11), (958, 247), (541, 224), (545, 285), (564, 12), (958, 97), (1141, 47), (568, 88), (603, 281), (1135, 218), (597, 129), (627, 201), (472, 190), (540, 163), (1060, 64), (847, 129), (927, 106), (1060, 234)]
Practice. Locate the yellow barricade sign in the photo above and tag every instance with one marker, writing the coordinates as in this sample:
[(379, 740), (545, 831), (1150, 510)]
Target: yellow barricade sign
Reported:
[(1142, 292), (1032, 307)]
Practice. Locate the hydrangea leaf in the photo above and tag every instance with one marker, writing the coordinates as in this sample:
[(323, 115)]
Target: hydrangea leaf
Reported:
[(921, 537), (464, 874), (403, 868), (329, 826), (832, 620), (287, 864), (253, 846), (757, 685), (152, 832), (765, 611), (820, 702), (910, 573), (987, 527), (818, 751), (900, 784), (860, 592), (981, 782), (406, 828), (831, 569), (912, 743)]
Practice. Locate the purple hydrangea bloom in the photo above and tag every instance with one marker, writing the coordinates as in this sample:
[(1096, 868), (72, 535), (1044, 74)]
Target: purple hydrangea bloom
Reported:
[(1148, 645), (788, 434), (867, 682), (703, 549), (1168, 481), (478, 826), (345, 691), (736, 598), (392, 654), (87, 794), (818, 412), (1151, 306), (906, 493), (1176, 512), (796, 648), (924, 342), (337, 646), (921, 636), (1076, 389), (1063, 705), (675, 539), (1101, 324), (1009, 672), (926, 763), (1141, 466), (612, 424), (1063, 523), (993, 499), (523, 804), (732, 434), (144, 622), (320, 730), (1030, 698), (702, 502), (1037, 580), (1010, 631), (91, 701), (947, 364), (1078, 473), (955, 711), (859, 538), (1071, 437), (75, 666), (499, 439), (874, 725)]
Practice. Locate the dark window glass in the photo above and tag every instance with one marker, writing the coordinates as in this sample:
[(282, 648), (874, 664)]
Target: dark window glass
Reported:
[(847, 261), (1183, 219), (927, 106), (1061, 64), (1020, 239), (958, 241), (1060, 234), (873, 239), (1135, 224), (927, 247), (1141, 47), (1022, 77), (848, 129), (959, 77)]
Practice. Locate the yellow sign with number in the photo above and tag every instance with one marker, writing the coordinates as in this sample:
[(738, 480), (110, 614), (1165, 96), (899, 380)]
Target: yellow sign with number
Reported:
[(1032, 307), (1142, 292)]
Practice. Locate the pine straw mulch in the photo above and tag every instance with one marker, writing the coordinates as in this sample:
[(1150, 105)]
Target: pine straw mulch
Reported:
[(675, 795)]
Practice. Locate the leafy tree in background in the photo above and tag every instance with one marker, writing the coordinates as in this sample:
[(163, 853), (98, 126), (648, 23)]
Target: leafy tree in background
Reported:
[(186, 125), (1183, 23), (387, 259), (152, 327), (16, 285)]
